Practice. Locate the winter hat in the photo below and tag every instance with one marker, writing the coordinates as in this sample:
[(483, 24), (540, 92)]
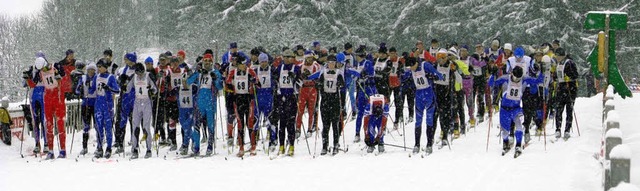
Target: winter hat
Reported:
[(40, 63), (308, 53), (393, 49), (519, 52), (79, 65), (148, 60), (40, 54), (331, 58), (108, 52), (546, 59), (508, 46), (209, 56), (479, 45), (138, 67), (237, 57), (263, 57), (91, 66), (556, 41), (453, 51), (316, 43), (233, 45), (174, 59), (348, 46), (68, 52), (208, 51), (5, 102), (131, 56), (102, 63), (340, 57), (433, 41), (383, 48), (299, 47), (168, 54), (361, 51), (419, 42), (495, 42), (182, 53), (442, 53), (255, 51), (464, 46), (560, 52), (517, 72), (288, 53), (333, 49)]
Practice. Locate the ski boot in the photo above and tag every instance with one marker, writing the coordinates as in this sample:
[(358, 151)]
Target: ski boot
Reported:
[(356, 139), (395, 126), (505, 147), (558, 134), (324, 151), (472, 123), (336, 149), (240, 152), (428, 150), (98, 153), (107, 154), (84, 151), (527, 138), (416, 149), (147, 154), (410, 120), (291, 149), (370, 149), (210, 150), (195, 153), (45, 150), (119, 149), (252, 151), (298, 134), (173, 147), (230, 142), (36, 149), (518, 152), (272, 148), (50, 156), (567, 135), (85, 139), (63, 154), (456, 134), (380, 148), (183, 150), (281, 150), (309, 133), (134, 154), (444, 142)]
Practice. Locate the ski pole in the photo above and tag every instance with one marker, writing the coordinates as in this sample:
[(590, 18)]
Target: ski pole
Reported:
[(490, 120), (75, 127), (576, 119), (23, 126)]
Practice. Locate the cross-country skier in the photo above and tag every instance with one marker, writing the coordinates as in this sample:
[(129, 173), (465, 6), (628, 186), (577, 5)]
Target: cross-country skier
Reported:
[(365, 86), (125, 101), (479, 71), (349, 63), (510, 111), (308, 93), (382, 67), (142, 86), (285, 106), (423, 75), (209, 82), (443, 88), (397, 69), (37, 102), (461, 70), (240, 82), (69, 65), (104, 85), (376, 111), (107, 56), (566, 76), (54, 105), (264, 102), (330, 80), (88, 103), (175, 78)]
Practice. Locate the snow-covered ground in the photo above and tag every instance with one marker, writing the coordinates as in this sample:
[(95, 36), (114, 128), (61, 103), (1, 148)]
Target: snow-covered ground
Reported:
[(569, 165)]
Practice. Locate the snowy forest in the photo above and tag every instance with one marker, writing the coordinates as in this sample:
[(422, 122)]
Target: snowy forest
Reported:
[(89, 27)]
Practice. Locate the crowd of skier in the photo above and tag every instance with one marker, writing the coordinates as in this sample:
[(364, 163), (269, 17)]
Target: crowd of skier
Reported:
[(279, 92)]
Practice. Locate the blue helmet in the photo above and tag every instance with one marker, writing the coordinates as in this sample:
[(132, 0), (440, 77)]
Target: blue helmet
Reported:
[(340, 57), (519, 52)]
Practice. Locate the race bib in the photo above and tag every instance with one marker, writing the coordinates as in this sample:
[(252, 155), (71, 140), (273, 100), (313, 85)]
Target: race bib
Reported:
[(241, 83), (99, 81), (265, 78), (560, 73), (186, 98), (514, 91), (140, 87), (445, 76), (285, 81), (49, 79), (330, 83), (420, 80), (394, 69), (205, 81), (477, 71), (176, 80)]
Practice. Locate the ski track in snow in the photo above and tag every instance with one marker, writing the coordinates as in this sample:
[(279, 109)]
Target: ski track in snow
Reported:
[(563, 166)]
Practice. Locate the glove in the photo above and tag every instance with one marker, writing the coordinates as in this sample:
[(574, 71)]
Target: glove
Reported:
[(105, 87), (214, 77), (291, 74), (376, 140), (25, 75), (114, 68)]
